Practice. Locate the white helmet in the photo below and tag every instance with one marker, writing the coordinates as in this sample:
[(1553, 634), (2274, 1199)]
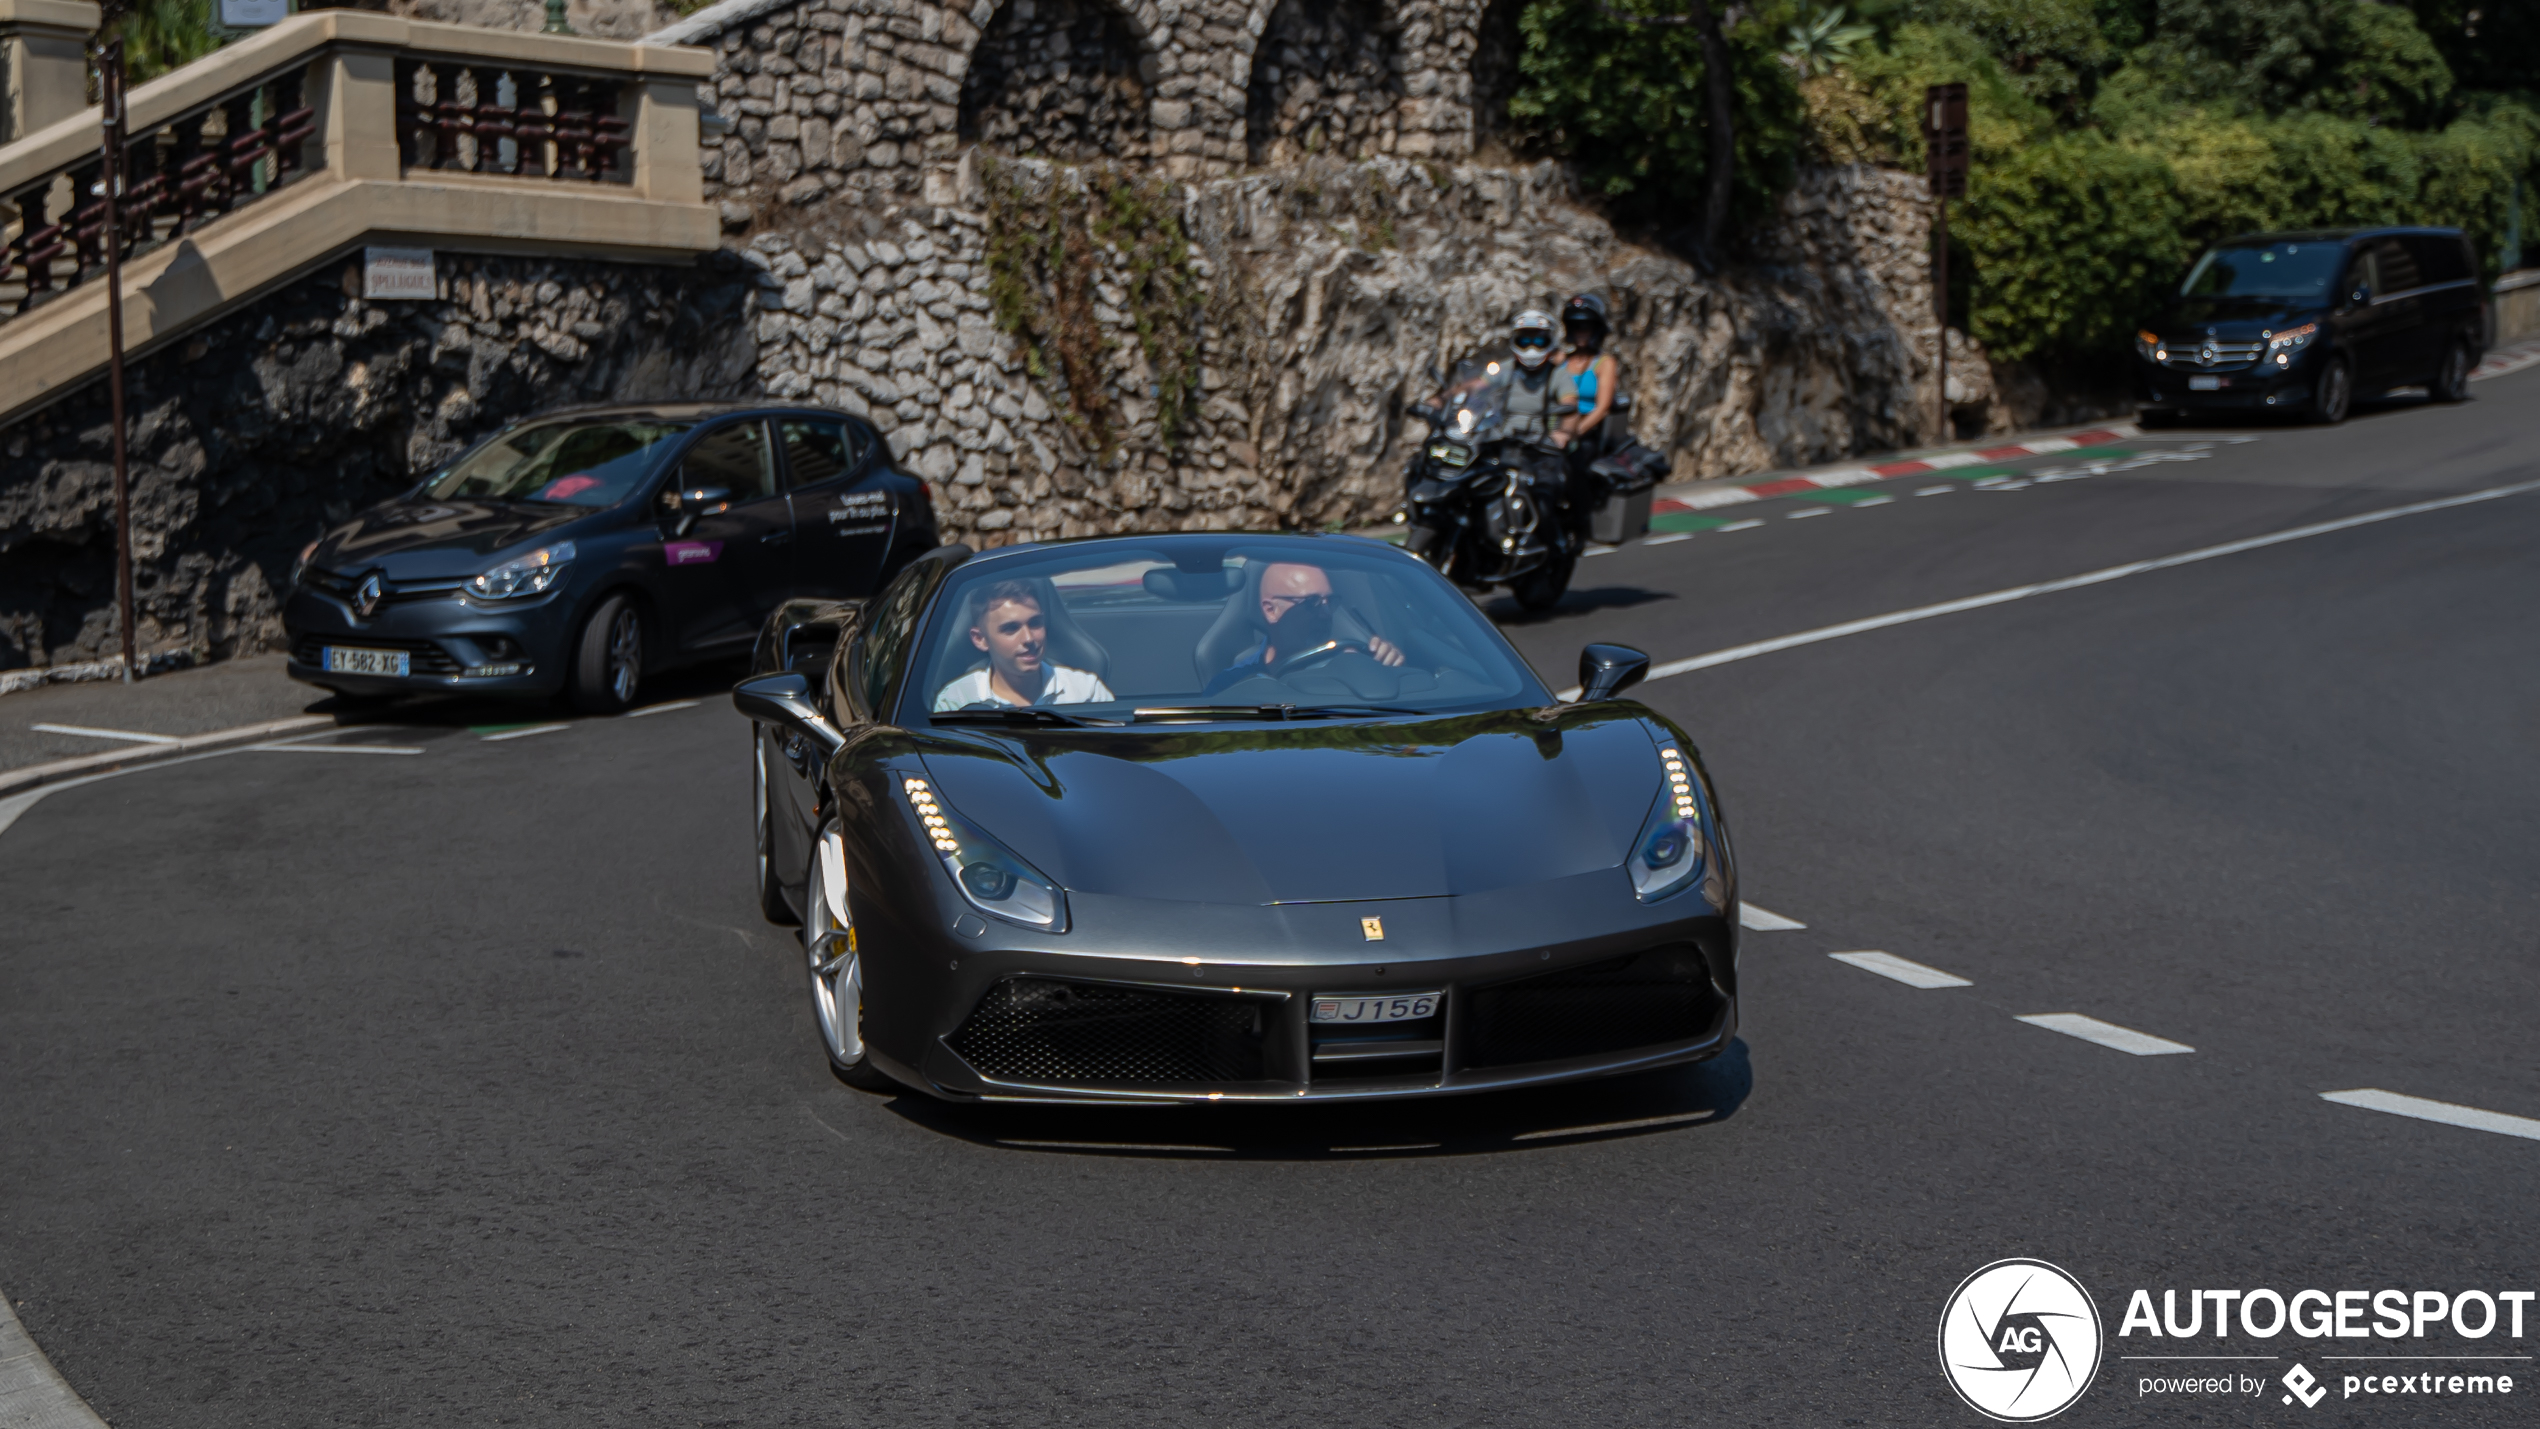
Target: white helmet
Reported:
[(1533, 334)]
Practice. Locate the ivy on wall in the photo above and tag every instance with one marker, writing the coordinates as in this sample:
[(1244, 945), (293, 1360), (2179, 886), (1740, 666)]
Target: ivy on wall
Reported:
[(1063, 241)]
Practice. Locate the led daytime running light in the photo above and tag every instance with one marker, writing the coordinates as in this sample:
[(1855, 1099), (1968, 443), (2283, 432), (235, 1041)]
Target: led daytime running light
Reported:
[(1679, 786), (931, 814)]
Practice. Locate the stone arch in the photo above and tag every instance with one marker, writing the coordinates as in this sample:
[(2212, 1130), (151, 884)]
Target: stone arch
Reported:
[(1326, 79), (1497, 43), (1062, 79)]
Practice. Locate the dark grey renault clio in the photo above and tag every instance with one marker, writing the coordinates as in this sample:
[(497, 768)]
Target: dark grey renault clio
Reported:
[(580, 551), (2309, 322)]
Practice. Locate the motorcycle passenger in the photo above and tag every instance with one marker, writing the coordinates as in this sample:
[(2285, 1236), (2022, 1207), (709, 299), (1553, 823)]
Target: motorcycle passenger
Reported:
[(1585, 384)]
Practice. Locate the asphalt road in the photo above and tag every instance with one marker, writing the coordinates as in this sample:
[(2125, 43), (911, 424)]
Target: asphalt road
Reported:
[(465, 1086)]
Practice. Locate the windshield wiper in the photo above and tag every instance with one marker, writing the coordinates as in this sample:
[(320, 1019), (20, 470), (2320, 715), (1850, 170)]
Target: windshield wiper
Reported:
[(1268, 712), (1014, 714)]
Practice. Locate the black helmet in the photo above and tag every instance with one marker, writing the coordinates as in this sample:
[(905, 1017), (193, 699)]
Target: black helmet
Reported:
[(1587, 309)]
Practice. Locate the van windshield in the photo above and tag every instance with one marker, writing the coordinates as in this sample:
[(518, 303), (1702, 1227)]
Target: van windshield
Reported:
[(2274, 270)]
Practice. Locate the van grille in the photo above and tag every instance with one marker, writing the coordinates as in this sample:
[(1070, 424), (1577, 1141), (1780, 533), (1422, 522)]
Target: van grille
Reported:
[(2225, 356)]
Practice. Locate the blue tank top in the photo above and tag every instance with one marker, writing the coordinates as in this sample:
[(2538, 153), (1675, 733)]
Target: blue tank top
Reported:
[(1582, 385)]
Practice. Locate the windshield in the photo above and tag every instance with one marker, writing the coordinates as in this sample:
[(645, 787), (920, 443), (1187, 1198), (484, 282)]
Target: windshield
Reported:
[(1477, 397), (589, 463), (1210, 630), (2277, 270)]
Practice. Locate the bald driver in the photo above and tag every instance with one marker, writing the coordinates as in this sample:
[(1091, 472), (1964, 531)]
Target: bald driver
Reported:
[(1296, 605)]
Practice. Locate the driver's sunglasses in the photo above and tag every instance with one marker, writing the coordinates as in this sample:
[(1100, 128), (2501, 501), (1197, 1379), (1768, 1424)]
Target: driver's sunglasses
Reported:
[(1285, 603), (1532, 339)]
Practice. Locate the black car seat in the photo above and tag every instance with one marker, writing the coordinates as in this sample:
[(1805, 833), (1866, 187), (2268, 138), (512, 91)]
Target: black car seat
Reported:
[(1239, 627), (1068, 644)]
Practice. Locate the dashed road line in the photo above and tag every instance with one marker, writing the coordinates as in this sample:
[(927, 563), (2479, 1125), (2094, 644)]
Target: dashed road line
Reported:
[(668, 705), (2375, 1099), (1904, 970), (1942, 490), (1762, 920), (333, 749), (1666, 540), (85, 732), (1807, 511), (2106, 1034), (1872, 501), (1736, 526), (525, 733)]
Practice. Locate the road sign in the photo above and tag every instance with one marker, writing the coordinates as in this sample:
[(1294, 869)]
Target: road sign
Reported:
[(1945, 139)]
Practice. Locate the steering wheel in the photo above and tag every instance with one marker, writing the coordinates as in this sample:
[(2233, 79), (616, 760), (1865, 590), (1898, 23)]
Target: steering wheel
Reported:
[(1322, 654)]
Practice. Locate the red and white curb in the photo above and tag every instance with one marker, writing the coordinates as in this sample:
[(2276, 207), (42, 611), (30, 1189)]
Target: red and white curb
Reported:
[(2507, 359), (1702, 500)]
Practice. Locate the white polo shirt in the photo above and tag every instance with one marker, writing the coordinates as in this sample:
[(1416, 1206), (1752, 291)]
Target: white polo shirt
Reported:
[(1064, 686)]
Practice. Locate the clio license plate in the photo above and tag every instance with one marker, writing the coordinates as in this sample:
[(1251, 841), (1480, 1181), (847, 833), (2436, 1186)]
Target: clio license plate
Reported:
[(343, 660), (1394, 1007)]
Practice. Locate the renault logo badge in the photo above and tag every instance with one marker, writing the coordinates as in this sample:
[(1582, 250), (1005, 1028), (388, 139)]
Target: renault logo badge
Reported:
[(1374, 928), (366, 596)]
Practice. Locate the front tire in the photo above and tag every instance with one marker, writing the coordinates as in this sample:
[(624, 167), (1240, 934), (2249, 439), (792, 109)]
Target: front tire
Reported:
[(837, 982), (1542, 588), (2452, 383), (2335, 394), (608, 661), (771, 897)]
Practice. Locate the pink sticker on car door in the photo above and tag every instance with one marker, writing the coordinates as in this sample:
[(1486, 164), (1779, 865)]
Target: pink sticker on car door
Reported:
[(692, 553)]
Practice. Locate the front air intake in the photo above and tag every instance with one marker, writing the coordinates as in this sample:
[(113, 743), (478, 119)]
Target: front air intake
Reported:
[(1046, 1031), (1638, 1000)]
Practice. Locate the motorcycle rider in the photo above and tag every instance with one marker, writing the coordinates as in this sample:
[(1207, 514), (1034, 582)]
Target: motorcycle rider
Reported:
[(1586, 382)]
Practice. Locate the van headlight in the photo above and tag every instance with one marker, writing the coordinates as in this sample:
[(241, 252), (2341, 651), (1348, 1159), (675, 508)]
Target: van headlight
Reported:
[(2148, 343), (532, 574), (2292, 340), (994, 878), (1669, 852)]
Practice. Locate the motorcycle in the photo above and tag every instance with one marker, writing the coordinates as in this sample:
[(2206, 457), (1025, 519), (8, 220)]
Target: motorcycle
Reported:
[(1484, 503)]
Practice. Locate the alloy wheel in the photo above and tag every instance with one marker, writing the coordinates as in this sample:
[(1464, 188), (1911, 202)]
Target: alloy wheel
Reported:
[(626, 654), (837, 977)]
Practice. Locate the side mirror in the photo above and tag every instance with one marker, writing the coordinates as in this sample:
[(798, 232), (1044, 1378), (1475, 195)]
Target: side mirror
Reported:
[(693, 502), (785, 701), (1607, 670)]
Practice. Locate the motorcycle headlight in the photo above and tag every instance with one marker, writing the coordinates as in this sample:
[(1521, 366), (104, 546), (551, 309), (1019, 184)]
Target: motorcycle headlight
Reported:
[(1669, 853), (1450, 453), (2293, 339), (994, 879), (531, 574)]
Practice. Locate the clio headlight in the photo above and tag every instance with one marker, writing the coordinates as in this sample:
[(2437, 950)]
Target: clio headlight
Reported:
[(532, 574), (994, 879), (1668, 854), (1450, 453)]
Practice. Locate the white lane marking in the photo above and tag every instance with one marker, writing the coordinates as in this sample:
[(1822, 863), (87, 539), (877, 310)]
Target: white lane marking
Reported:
[(2087, 578), (1735, 526), (525, 733), (1805, 512), (1935, 491), (133, 736), (692, 704), (2001, 485), (333, 749), (37, 774), (1590, 551), (1663, 540), (2106, 1034), (1912, 974), (2375, 1099), (1872, 501), (1764, 921)]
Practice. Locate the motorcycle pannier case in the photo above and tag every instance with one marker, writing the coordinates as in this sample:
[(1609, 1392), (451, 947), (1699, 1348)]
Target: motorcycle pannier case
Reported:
[(1627, 478)]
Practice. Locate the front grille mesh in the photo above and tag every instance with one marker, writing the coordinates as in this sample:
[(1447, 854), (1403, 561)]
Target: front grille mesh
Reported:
[(429, 659), (2227, 356), (1048, 1031), (1638, 1000)]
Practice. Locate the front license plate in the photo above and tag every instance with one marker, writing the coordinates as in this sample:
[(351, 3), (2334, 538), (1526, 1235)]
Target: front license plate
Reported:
[(1398, 1007), (2204, 384), (342, 660)]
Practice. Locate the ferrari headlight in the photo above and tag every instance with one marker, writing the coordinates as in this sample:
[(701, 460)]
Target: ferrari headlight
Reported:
[(2293, 339), (532, 574), (1668, 854), (991, 876), (1450, 453)]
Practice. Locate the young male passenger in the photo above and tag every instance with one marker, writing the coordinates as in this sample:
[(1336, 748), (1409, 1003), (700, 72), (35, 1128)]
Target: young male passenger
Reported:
[(1011, 628), (1296, 605)]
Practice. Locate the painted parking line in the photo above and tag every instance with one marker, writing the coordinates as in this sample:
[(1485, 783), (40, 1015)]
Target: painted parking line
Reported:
[(1763, 920), (1668, 539), (1935, 491), (1906, 971), (1736, 526), (2087, 578), (1807, 511), (1872, 501), (668, 706), (2106, 1034), (2375, 1099), (128, 735), (333, 749), (525, 733)]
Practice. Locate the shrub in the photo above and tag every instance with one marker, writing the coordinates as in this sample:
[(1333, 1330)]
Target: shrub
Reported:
[(2068, 238)]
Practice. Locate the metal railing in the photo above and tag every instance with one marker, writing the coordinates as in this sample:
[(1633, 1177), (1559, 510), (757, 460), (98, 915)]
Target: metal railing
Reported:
[(495, 119)]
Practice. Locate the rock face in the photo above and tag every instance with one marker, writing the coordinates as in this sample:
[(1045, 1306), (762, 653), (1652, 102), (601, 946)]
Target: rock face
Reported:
[(251, 437), (1330, 291)]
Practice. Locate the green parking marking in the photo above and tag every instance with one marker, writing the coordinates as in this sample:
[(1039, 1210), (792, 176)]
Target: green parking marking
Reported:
[(1674, 521)]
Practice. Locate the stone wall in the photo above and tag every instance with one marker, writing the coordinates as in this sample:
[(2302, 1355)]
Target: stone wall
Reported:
[(1330, 291), (1057, 78), (252, 436), (1325, 80)]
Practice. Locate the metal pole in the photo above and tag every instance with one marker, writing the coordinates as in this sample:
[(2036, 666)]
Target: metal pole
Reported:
[(1940, 291), (110, 101)]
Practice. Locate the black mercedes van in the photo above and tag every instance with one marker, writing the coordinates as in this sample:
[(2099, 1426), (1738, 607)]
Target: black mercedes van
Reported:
[(2308, 322)]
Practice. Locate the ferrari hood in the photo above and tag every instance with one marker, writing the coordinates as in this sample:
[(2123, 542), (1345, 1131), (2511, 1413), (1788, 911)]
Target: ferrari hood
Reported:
[(425, 540), (1311, 812)]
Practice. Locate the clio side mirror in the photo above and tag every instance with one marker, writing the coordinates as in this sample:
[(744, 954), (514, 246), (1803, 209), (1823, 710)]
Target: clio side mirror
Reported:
[(1607, 670), (785, 701), (692, 503)]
